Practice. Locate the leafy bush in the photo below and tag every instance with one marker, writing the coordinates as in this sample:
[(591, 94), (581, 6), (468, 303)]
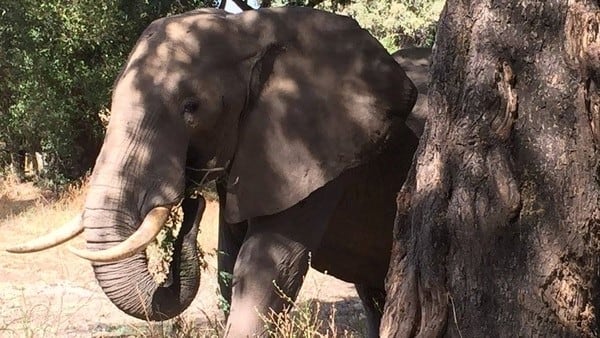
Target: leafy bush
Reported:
[(397, 23)]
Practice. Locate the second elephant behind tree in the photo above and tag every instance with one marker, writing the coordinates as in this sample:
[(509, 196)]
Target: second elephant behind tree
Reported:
[(415, 61)]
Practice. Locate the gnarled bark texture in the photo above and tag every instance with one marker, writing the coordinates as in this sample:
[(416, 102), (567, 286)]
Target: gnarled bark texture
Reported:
[(498, 227)]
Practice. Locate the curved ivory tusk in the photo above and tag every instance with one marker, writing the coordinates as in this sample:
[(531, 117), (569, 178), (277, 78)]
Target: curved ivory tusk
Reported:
[(146, 233), (68, 231)]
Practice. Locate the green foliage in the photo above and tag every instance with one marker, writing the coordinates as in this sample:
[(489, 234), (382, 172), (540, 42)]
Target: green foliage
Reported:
[(57, 63), (226, 278), (395, 23)]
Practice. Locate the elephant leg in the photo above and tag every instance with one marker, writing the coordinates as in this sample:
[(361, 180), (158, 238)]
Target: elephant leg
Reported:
[(274, 259), (231, 237), (373, 299)]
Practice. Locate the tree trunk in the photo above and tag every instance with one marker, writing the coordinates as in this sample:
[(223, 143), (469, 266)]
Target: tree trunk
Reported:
[(498, 226), (17, 165)]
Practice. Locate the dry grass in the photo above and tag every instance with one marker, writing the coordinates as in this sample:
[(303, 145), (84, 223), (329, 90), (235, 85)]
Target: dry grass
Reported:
[(17, 198), (54, 294), (306, 319)]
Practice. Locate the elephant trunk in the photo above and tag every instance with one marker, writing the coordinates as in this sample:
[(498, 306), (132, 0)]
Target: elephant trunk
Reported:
[(129, 284), (140, 168)]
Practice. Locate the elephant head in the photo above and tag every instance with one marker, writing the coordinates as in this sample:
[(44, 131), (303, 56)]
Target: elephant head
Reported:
[(275, 102)]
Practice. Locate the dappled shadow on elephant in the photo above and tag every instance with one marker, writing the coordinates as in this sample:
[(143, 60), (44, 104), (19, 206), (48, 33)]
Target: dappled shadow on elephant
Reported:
[(297, 113)]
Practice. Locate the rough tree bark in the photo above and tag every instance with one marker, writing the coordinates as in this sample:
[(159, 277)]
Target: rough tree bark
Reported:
[(498, 228)]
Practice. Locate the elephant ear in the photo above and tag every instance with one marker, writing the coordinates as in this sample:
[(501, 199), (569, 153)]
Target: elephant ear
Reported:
[(322, 98)]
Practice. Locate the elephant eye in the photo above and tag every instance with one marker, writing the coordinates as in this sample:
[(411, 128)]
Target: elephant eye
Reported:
[(190, 106)]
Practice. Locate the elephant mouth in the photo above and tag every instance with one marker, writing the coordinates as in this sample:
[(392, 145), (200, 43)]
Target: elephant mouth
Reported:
[(138, 241)]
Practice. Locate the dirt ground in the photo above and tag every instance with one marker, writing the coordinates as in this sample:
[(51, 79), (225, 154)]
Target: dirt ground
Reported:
[(54, 294)]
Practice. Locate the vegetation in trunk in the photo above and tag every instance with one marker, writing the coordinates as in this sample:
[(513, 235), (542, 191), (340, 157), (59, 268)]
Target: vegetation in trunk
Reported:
[(498, 227)]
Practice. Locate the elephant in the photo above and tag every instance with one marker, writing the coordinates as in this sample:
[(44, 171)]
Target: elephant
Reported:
[(297, 114), (415, 61)]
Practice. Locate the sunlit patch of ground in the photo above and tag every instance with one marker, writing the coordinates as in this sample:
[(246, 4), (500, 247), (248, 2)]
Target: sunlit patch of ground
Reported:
[(54, 294)]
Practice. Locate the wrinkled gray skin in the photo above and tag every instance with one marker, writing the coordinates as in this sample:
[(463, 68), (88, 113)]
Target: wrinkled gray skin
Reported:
[(415, 62), (299, 114)]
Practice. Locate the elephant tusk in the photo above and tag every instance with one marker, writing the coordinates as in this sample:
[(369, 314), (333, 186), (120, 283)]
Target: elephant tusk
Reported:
[(138, 241), (68, 231)]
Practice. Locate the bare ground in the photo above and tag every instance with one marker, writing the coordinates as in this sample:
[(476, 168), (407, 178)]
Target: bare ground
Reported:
[(54, 294)]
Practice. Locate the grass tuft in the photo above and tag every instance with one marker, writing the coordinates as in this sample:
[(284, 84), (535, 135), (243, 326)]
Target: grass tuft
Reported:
[(305, 319)]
